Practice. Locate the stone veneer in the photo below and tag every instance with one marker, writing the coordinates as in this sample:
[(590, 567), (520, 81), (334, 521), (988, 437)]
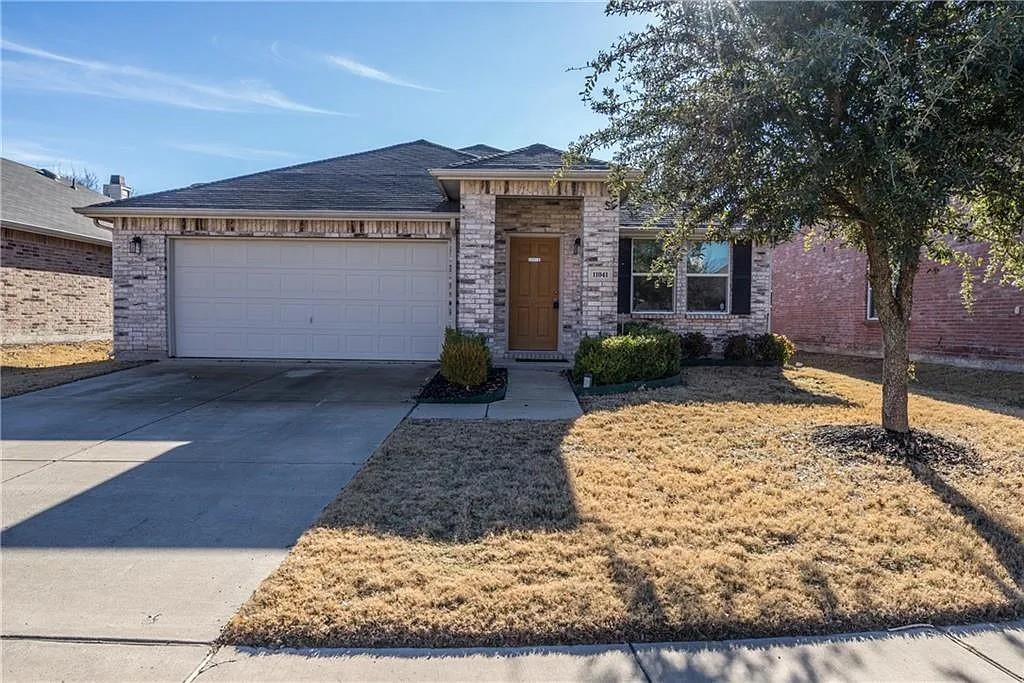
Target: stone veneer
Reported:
[(53, 289), (718, 326)]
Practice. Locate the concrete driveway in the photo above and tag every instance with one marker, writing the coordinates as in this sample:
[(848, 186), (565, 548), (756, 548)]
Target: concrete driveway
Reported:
[(145, 506)]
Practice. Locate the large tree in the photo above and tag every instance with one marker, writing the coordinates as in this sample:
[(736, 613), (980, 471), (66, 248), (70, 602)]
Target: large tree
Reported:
[(896, 128)]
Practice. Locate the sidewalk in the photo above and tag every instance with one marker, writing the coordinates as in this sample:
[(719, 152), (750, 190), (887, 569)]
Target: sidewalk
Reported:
[(534, 393), (988, 652)]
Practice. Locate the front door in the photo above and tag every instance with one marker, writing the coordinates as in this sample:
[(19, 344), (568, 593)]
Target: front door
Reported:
[(533, 294)]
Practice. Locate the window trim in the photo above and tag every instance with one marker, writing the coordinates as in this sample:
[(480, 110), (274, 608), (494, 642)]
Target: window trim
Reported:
[(728, 281), (632, 282), (869, 303)]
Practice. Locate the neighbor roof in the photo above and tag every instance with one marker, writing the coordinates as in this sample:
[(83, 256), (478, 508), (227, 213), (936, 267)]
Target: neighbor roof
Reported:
[(390, 179), (532, 158), (481, 150), (34, 202)]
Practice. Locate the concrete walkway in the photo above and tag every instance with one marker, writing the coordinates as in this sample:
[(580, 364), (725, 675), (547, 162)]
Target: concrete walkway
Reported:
[(957, 654), (534, 393)]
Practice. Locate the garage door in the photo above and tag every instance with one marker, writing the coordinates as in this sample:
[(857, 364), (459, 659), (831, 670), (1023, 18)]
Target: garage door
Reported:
[(236, 298)]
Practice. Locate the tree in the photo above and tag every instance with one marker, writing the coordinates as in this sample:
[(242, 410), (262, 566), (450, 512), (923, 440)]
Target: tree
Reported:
[(80, 178), (896, 128)]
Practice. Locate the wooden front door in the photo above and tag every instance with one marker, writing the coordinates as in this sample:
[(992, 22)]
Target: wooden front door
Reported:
[(533, 294)]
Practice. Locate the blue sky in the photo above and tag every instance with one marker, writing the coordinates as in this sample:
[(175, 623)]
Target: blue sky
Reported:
[(172, 94)]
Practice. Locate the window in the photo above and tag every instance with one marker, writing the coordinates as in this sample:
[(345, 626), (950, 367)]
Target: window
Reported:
[(652, 292), (871, 313), (707, 278)]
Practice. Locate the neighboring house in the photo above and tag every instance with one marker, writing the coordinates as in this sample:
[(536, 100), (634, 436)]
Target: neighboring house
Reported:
[(822, 301), (372, 255), (54, 263)]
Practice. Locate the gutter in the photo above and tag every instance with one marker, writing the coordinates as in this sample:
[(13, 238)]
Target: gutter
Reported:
[(63, 234), (111, 211)]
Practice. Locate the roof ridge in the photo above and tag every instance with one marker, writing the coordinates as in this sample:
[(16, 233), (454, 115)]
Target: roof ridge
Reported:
[(500, 154), (292, 167)]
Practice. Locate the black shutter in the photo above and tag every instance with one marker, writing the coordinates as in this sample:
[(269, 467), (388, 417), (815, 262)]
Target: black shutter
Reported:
[(741, 253), (625, 273)]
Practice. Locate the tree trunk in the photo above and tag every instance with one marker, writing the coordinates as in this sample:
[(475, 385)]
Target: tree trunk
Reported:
[(893, 287), (895, 376)]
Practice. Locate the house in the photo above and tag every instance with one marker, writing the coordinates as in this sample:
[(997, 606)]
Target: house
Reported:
[(823, 302), (372, 255), (54, 263)]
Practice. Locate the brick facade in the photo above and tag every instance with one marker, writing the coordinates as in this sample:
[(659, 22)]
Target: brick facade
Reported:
[(717, 327), (820, 302), (140, 280), (558, 217), (53, 289)]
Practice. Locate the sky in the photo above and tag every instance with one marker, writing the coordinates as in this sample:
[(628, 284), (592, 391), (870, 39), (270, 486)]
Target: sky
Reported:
[(173, 94)]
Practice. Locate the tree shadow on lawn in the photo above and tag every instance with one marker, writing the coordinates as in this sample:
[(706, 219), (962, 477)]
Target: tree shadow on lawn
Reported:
[(729, 384), (479, 479), (963, 386)]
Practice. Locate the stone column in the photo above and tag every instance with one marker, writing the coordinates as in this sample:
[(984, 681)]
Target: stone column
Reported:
[(600, 250), (475, 311)]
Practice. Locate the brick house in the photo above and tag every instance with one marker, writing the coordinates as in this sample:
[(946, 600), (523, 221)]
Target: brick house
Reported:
[(372, 255), (822, 301), (54, 263)]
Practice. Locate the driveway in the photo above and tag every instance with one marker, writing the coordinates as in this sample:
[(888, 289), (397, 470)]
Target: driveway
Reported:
[(147, 505)]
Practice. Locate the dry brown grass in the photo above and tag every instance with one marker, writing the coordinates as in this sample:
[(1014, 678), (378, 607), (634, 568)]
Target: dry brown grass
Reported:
[(701, 511), (27, 367)]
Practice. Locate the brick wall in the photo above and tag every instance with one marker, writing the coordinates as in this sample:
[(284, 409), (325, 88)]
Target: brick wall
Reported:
[(53, 289), (554, 216), (717, 327), (140, 280), (820, 303)]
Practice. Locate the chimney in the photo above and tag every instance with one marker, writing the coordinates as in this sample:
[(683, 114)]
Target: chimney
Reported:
[(117, 188)]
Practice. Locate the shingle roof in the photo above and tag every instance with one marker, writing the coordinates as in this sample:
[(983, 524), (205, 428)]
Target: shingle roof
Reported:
[(534, 157), (29, 199), (481, 150), (388, 179)]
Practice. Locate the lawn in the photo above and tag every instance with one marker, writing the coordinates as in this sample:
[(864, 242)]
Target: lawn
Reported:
[(693, 512), (27, 367)]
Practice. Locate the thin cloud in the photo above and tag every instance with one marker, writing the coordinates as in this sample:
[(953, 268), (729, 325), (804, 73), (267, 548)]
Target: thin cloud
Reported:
[(231, 151), (40, 156), (366, 71), (61, 73)]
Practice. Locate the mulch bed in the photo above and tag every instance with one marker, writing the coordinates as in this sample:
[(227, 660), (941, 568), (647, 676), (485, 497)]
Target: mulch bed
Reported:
[(440, 390), (855, 441)]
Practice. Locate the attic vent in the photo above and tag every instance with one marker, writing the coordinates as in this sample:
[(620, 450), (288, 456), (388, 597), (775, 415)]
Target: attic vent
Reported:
[(48, 173), (195, 185)]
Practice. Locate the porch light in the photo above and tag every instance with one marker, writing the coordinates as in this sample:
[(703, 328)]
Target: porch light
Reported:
[(135, 245), (576, 247)]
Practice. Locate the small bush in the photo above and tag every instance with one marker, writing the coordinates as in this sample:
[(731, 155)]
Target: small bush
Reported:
[(628, 357), (695, 345), (465, 358), (776, 349), (642, 329), (738, 348)]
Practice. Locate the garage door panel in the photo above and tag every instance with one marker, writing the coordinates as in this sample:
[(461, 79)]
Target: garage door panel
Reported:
[(309, 299)]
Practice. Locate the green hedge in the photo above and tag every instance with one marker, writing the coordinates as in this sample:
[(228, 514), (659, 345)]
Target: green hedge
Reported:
[(465, 358), (642, 354), (771, 348)]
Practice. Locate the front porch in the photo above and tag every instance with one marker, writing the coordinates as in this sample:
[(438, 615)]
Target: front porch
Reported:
[(536, 265)]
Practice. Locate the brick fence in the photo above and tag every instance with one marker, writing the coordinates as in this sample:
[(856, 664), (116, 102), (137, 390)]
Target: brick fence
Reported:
[(53, 289)]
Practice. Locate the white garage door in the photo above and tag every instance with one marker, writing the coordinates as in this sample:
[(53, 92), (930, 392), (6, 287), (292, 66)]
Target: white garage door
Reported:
[(236, 298)]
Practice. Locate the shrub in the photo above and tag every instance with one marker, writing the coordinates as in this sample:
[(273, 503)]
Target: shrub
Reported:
[(627, 357), (771, 348), (739, 348), (642, 329), (465, 358), (695, 345)]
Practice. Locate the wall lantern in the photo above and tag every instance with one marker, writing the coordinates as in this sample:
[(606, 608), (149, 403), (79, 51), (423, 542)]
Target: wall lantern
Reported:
[(576, 247), (135, 245)]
